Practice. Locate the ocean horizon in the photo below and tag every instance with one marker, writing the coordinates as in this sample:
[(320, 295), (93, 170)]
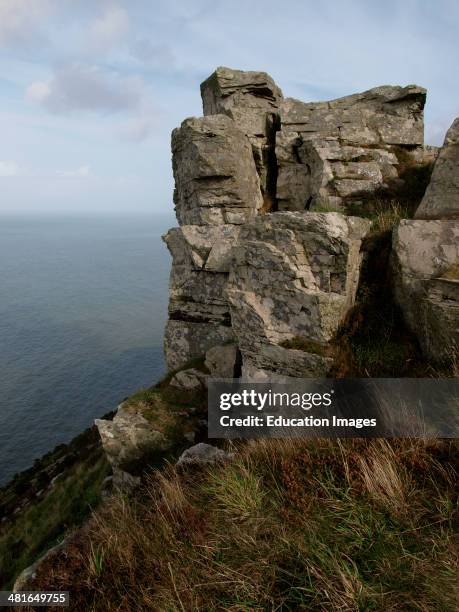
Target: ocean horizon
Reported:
[(82, 312)]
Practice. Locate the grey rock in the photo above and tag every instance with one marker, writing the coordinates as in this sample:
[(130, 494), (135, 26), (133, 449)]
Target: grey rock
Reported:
[(198, 306), (426, 271), (441, 199), (221, 361), (294, 275), (189, 380), (252, 100), (216, 180), (202, 247), (185, 340), (128, 441), (203, 454), (345, 149), (249, 98)]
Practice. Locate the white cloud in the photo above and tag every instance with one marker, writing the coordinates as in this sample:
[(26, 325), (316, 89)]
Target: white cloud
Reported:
[(81, 172), (107, 31), (8, 168), (86, 88)]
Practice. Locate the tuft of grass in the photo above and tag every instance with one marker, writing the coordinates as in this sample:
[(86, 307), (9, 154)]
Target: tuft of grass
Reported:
[(290, 524)]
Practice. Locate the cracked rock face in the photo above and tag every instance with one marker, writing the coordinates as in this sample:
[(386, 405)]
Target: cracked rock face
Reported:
[(199, 314), (249, 98), (216, 181), (294, 275), (441, 199), (252, 100), (346, 149), (425, 260)]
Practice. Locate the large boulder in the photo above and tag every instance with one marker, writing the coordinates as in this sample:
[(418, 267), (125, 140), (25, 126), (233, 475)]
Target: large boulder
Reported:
[(252, 100), (130, 441), (293, 279), (216, 180), (426, 267), (441, 199), (330, 153)]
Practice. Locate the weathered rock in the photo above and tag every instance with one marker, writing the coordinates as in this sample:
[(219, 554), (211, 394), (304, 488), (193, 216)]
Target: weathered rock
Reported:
[(249, 98), (203, 454), (222, 361), (129, 440), (198, 306), (441, 199), (294, 275), (425, 260), (189, 380), (252, 100), (345, 149), (216, 180), (185, 340)]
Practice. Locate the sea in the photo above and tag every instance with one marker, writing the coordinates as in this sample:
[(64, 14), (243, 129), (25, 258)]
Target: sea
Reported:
[(83, 303)]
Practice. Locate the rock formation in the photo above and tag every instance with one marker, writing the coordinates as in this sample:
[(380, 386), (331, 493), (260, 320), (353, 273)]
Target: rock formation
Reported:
[(426, 258), (248, 271), (252, 101), (441, 200), (294, 275), (263, 272), (426, 262), (330, 153)]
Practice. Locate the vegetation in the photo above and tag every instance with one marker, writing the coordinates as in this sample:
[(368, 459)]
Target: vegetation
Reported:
[(45, 520), (289, 525)]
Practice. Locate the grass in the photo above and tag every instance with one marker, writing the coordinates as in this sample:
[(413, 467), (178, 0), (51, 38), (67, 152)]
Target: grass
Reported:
[(45, 521), (289, 525)]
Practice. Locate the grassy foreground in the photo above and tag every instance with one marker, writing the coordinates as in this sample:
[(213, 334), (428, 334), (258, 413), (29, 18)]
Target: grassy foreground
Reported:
[(289, 525)]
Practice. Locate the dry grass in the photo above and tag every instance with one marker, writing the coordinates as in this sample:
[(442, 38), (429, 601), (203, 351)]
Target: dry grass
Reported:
[(289, 525)]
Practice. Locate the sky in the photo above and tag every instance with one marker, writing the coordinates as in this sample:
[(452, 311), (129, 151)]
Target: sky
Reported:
[(90, 90)]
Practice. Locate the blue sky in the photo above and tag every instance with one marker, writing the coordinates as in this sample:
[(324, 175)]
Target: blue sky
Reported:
[(91, 89)]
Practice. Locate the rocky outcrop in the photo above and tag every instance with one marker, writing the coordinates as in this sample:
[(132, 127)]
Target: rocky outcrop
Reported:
[(215, 176), (252, 100), (426, 266), (441, 199), (294, 276), (245, 272), (330, 153)]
